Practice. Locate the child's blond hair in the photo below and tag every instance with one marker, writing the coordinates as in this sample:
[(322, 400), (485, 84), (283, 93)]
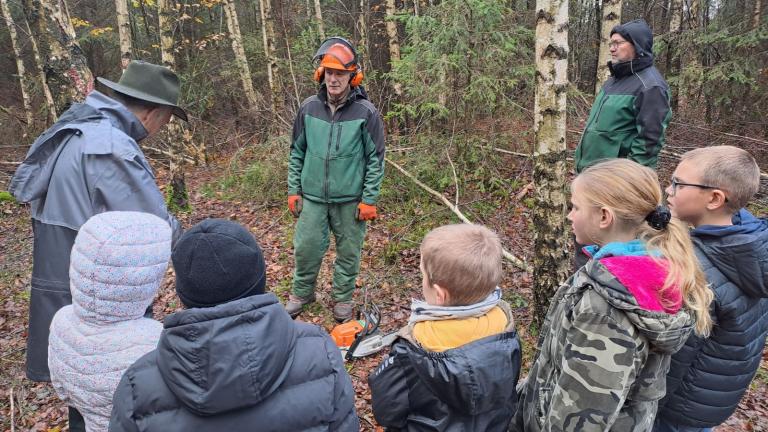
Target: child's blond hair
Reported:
[(463, 259), (728, 168), (632, 192)]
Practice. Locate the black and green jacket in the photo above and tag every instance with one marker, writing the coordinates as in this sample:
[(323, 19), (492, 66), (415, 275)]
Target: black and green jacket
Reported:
[(631, 112), (337, 158)]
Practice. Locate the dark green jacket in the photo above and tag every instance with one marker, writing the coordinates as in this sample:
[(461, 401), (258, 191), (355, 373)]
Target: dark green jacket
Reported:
[(337, 158), (631, 112)]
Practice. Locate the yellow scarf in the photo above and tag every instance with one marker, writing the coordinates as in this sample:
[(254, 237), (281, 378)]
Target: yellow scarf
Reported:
[(442, 335)]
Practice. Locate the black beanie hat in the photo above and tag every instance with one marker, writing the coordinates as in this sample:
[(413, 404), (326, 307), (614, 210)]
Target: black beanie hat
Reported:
[(217, 261)]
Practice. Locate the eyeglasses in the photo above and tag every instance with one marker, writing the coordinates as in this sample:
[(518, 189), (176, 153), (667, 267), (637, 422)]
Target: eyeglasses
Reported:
[(675, 184), (615, 44)]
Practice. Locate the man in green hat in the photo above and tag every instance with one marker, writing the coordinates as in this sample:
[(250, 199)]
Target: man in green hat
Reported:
[(89, 162)]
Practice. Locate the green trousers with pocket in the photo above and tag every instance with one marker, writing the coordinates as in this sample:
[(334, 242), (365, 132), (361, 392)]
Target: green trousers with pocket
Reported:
[(311, 241)]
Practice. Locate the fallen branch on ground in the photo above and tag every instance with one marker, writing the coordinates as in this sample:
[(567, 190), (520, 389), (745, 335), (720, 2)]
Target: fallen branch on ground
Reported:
[(515, 260)]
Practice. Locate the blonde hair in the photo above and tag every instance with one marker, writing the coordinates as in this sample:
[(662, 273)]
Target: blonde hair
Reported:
[(729, 168), (464, 259), (631, 191)]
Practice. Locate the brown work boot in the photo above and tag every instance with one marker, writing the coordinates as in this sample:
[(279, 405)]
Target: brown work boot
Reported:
[(342, 311), (295, 304)]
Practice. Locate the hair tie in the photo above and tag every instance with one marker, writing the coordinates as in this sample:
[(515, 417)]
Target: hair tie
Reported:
[(659, 218)]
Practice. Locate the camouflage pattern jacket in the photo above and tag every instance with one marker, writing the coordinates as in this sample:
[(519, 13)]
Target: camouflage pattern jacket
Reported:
[(603, 354)]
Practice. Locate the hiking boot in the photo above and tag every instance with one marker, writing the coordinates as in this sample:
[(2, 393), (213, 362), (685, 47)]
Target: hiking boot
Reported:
[(342, 311), (295, 304)]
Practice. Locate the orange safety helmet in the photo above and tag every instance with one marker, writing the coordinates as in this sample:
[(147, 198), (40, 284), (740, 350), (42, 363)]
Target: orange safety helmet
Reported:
[(338, 54)]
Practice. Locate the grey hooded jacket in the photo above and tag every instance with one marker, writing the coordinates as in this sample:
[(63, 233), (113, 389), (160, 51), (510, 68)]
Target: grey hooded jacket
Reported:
[(88, 162), (239, 366)]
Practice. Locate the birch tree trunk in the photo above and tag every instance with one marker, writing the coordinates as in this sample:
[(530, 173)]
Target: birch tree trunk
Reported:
[(674, 63), (268, 36), (233, 25), (124, 32), (19, 63), (394, 43), (176, 194), (319, 18), (66, 69), (31, 12), (551, 240), (756, 14), (610, 17)]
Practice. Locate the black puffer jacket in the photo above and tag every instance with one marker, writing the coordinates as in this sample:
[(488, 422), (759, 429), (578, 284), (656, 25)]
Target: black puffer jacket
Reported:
[(470, 388), (240, 366), (708, 377)]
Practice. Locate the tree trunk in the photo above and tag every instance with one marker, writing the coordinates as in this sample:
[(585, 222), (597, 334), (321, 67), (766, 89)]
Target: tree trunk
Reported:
[(66, 69), (124, 32), (551, 240), (24, 85), (319, 18), (756, 14), (176, 193), (268, 36), (394, 43), (674, 64), (241, 60), (610, 17), (31, 13)]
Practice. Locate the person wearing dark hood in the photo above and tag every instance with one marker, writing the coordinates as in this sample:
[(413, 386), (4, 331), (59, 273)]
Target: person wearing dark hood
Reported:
[(708, 377), (631, 112), (87, 163), (234, 360), (334, 176)]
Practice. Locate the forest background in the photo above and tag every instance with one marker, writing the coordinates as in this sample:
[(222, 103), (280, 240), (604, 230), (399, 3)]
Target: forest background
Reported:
[(484, 102)]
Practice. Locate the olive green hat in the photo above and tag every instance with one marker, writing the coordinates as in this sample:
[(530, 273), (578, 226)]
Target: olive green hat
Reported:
[(149, 82)]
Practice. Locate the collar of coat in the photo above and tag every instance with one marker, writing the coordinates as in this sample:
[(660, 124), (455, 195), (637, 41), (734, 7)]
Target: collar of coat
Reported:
[(623, 69)]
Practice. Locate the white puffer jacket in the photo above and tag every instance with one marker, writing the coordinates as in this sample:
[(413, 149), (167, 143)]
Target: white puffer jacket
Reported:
[(117, 264)]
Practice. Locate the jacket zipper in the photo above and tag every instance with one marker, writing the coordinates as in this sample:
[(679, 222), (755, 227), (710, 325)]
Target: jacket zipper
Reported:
[(600, 110), (328, 156)]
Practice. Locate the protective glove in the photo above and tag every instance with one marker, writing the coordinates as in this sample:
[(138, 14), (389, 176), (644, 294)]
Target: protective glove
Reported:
[(365, 212), (294, 204)]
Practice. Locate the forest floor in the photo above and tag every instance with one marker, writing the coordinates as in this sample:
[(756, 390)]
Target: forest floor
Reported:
[(243, 186)]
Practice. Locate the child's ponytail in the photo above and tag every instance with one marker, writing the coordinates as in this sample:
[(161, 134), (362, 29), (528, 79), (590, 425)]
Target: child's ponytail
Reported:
[(683, 270)]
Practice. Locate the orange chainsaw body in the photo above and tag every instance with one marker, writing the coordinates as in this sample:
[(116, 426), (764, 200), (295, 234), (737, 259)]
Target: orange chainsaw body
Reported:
[(344, 334)]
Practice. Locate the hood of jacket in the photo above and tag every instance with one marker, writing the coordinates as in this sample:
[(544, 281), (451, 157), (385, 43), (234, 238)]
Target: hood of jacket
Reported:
[(464, 377), (31, 179), (738, 251), (227, 357), (666, 332), (639, 34), (117, 264)]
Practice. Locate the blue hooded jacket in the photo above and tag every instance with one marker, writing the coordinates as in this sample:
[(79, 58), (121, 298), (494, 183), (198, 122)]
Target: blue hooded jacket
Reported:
[(708, 377)]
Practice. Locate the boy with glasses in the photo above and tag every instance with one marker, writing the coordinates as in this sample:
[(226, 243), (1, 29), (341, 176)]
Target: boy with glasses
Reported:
[(708, 377)]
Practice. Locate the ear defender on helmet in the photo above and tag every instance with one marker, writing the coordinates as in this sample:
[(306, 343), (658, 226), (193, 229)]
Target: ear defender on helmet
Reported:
[(319, 72), (338, 53)]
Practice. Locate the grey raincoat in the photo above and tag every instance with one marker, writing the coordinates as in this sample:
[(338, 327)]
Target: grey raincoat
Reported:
[(88, 162)]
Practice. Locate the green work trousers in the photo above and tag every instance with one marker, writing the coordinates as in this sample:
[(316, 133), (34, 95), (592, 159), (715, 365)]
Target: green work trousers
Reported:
[(311, 241)]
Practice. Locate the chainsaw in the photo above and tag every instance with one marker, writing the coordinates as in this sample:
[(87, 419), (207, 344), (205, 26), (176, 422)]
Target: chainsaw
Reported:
[(362, 337)]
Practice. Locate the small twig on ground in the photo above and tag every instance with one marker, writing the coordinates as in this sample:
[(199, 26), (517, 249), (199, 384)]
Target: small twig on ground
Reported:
[(13, 413), (515, 260)]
